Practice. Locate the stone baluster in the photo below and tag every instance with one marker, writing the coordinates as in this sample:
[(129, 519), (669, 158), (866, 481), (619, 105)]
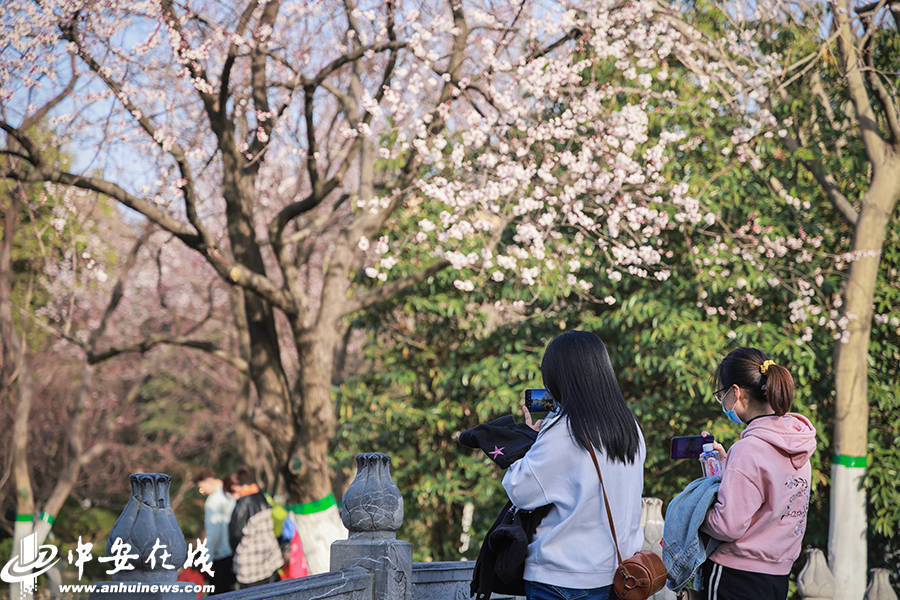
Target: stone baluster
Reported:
[(148, 538), (880, 586), (653, 524), (815, 581), (372, 511)]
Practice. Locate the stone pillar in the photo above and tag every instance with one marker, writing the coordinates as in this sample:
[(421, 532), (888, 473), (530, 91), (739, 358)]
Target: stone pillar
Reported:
[(149, 540), (880, 586), (652, 523), (372, 511), (815, 580)]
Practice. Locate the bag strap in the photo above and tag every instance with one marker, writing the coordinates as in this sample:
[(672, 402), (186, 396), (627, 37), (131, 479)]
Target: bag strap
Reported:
[(606, 502)]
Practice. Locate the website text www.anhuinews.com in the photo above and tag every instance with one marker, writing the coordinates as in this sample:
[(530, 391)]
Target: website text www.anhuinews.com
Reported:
[(120, 587)]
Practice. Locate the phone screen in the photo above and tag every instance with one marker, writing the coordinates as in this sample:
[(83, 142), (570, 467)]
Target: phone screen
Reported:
[(689, 446), (539, 401)]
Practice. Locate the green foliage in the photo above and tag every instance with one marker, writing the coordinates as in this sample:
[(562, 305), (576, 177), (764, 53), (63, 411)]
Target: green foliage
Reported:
[(443, 361)]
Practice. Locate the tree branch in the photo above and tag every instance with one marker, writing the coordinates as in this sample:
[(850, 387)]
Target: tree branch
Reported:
[(226, 268), (145, 345), (391, 289), (177, 228), (888, 106), (825, 180), (340, 61), (70, 32), (38, 116), (118, 290), (259, 92), (225, 78), (856, 87)]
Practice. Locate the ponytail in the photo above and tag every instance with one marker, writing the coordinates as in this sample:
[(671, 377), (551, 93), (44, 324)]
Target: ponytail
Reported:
[(778, 386), (759, 376)]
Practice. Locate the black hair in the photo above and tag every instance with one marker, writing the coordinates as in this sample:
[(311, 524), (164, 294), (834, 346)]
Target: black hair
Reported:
[(744, 367), (203, 474), (229, 483), (579, 375), (243, 475)]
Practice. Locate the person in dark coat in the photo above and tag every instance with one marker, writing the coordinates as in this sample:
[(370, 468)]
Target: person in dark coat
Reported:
[(257, 555), (501, 560)]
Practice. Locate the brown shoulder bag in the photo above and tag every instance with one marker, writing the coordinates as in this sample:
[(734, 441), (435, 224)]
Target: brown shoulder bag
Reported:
[(638, 577)]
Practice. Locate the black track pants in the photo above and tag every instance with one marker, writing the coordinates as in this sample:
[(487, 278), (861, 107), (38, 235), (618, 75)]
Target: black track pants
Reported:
[(725, 583)]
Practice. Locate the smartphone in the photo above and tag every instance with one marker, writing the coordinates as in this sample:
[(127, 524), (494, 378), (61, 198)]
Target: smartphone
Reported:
[(689, 446), (539, 401)]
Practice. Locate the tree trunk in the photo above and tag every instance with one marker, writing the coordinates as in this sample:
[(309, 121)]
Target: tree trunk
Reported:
[(16, 377), (847, 535), (272, 416), (309, 476)]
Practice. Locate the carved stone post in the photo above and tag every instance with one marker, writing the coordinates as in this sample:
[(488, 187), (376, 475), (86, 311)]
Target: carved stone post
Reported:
[(372, 510), (815, 581), (148, 544), (880, 586), (652, 523)]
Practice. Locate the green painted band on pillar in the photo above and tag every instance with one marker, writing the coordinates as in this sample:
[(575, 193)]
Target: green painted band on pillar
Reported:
[(853, 462), (313, 507), (24, 518), (48, 518)]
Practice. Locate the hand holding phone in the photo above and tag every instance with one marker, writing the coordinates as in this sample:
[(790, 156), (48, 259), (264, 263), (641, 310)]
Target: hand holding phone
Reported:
[(690, 446), (537, 401)]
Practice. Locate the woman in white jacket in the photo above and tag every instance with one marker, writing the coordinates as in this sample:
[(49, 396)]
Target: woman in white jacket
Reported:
[(572, 554)]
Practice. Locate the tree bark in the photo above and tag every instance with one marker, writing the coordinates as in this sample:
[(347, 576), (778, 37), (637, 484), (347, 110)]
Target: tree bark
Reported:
[(308, 477), (16, 378), (847, 534)]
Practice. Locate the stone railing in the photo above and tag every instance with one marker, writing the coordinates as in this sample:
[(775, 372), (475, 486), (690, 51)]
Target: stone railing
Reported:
[(372, 564)]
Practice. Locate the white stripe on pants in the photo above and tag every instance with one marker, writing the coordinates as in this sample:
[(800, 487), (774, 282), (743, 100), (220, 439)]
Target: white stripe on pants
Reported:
[(712, 586)]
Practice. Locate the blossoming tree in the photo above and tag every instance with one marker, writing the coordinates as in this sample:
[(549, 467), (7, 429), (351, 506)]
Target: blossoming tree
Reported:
[(280, 141), (761, 61)]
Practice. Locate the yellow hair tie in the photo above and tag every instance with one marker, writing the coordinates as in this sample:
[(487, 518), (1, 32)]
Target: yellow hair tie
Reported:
[(765, 366)]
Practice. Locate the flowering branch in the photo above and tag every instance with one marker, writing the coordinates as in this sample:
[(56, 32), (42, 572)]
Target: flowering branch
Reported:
[(392, 289), (171, 147)]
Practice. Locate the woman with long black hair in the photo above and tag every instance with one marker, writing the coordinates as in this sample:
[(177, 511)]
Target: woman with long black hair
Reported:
[(573, 554)]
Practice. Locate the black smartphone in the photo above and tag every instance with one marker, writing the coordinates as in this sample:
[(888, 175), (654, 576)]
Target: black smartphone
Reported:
[(689, 446), (539, 401)]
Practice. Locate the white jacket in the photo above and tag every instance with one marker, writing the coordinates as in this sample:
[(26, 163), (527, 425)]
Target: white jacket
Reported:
[(573, 546)]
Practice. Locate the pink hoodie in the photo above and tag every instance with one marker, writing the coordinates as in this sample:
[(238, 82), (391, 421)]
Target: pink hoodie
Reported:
[(760, 513)]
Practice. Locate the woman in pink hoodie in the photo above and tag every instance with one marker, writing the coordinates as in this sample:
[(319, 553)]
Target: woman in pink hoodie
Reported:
[(760, 512)]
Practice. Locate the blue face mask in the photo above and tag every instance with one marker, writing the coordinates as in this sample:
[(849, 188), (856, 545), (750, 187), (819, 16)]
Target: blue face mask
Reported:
[(732, 415)]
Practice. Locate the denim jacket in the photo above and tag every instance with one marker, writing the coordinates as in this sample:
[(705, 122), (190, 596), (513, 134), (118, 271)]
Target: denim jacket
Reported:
[(685, 548)]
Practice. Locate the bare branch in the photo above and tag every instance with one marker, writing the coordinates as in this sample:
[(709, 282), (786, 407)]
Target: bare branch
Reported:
[(571, 35), (357, 54), (856, 88), (888, 106), (118, 290), (34, 156), (145, 345), (825, 180), (226, 268)]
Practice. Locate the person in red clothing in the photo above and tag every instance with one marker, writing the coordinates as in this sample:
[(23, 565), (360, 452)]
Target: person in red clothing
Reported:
[(760, 511)]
